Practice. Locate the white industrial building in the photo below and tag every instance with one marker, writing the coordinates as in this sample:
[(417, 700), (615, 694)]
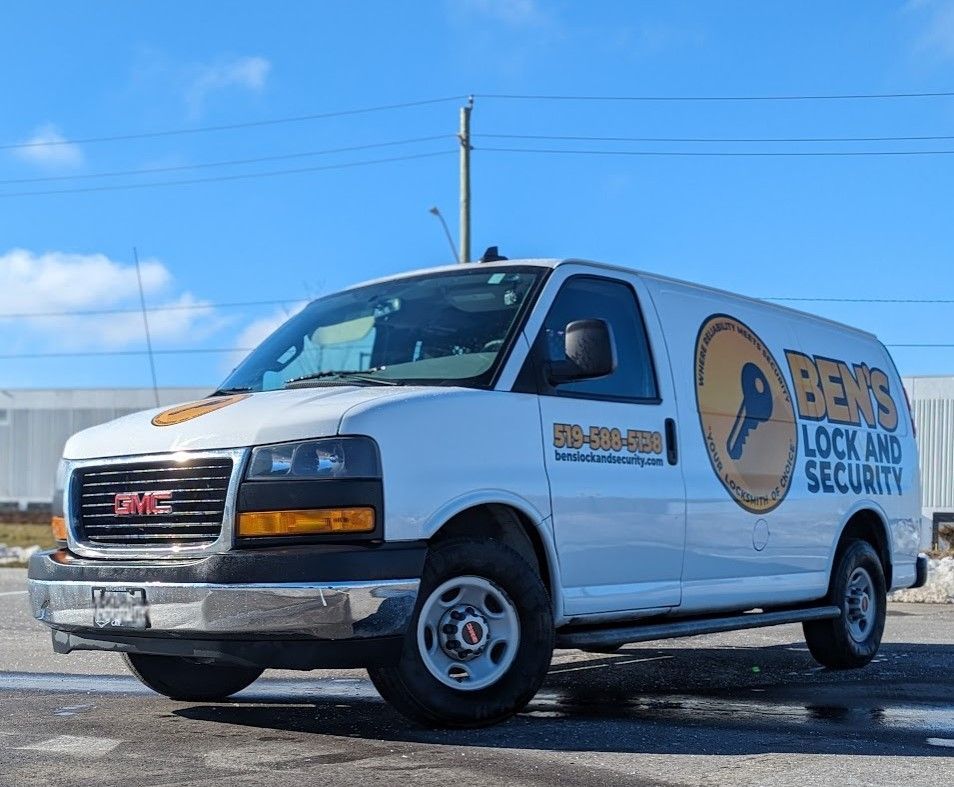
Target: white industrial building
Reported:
[(932, 403), (34, 425)]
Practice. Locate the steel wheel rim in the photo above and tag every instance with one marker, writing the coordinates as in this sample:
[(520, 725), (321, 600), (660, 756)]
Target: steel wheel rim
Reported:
[(494, 623), (861, 608)]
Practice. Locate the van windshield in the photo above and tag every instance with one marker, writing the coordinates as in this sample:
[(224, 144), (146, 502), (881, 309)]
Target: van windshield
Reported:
[(435, 329)]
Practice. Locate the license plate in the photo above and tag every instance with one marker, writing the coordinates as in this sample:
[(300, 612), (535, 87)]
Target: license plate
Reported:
[(120, 608)]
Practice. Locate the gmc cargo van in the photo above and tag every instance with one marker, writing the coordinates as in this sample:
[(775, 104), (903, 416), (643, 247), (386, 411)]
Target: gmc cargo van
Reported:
[(443, 475)]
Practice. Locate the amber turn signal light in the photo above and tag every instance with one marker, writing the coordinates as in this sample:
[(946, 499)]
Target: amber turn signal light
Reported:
[(306, 522), (58, 525)]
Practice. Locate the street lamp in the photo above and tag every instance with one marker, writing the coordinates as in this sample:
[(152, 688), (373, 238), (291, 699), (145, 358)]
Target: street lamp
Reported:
[(435, 211)]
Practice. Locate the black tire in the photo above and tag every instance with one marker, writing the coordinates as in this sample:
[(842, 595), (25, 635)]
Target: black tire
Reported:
[(831, 642), (411, 688), (190, 680)]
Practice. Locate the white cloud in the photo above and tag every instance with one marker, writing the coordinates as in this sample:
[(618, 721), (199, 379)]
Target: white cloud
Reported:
[(58, 281), (516, 13), (257, 331), (517, 33), (49, 148), (937, 36), (55, 280), (181, 320), (651, 38), (246, 73)]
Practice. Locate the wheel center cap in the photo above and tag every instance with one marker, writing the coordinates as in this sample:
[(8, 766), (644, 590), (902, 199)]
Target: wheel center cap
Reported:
[(472, 633), (464, 632), (864, 603)]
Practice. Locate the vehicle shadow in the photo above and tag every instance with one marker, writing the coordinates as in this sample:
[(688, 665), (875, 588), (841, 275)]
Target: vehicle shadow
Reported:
[(717, 700)]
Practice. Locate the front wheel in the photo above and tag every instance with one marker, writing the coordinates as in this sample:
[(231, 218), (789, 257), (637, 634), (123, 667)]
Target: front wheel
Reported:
[(480, 640), (190, 680), (858, 587)]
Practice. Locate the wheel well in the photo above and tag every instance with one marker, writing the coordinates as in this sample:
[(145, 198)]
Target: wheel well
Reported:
[(866, 525), (502, 523)]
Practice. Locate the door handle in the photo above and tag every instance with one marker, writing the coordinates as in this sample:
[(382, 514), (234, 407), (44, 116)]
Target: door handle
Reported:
[(672, 450)]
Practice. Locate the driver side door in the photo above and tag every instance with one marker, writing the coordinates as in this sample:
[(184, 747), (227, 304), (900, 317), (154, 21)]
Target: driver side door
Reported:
[(611, 456)]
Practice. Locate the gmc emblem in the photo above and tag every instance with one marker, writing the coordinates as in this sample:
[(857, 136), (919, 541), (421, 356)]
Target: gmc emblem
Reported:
[(148, 503)]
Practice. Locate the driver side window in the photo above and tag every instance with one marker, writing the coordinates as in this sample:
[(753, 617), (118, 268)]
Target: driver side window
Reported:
[(584, 297)]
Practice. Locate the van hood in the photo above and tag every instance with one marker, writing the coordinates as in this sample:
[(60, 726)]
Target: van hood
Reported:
[(255, 419)]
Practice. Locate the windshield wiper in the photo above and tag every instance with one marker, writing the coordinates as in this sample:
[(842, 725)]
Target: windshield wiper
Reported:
[(228, 391), (358, 375)]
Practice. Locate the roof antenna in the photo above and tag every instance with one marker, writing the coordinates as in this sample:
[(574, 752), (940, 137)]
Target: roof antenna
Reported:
[(491, 255), (145, 323)]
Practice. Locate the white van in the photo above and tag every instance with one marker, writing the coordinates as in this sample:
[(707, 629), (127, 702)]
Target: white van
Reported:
[(443, 475)]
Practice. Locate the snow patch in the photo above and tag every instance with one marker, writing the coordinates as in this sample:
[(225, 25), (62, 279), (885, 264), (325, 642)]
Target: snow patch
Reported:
[(89, 748), (9, 555), (939, 588)]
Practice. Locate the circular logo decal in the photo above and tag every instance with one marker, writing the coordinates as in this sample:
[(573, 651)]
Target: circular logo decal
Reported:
[(746, 413), (186, 412)]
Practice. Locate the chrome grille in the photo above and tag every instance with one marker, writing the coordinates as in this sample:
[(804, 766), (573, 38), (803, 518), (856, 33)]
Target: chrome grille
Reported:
[(194, 491)]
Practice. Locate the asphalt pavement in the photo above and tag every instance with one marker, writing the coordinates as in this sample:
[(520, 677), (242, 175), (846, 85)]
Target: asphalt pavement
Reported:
[(746, 708)]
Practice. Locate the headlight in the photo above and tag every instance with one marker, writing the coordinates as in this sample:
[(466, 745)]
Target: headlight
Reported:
[(332, 457)]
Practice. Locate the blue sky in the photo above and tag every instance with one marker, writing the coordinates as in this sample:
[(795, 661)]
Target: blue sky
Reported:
[(825, 227)]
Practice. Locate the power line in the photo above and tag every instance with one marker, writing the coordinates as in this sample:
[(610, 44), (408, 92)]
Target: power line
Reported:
[(816, 97), (233, 162), (224, 350), (171, 308), (222, 178), (863, 300), (574, 138), (111, 353), (721, 153), (299, 299), (228, 126), (440, 100)]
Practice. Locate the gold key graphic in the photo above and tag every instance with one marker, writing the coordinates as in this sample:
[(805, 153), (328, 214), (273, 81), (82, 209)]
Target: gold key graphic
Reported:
[(756, 408)]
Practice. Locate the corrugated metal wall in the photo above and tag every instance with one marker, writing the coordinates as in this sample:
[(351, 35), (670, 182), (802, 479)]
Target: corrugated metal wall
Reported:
[(934, 418), (35, 425), (31, 445)]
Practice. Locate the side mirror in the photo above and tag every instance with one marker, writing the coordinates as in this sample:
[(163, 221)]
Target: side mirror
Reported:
[(590, 352)]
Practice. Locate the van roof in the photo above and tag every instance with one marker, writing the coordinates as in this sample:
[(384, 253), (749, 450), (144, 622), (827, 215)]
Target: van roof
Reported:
[(557, 262)]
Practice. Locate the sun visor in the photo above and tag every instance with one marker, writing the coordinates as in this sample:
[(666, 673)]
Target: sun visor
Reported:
[(342, 332)]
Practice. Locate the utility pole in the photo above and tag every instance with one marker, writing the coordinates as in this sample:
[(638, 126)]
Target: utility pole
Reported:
[(464, 138)]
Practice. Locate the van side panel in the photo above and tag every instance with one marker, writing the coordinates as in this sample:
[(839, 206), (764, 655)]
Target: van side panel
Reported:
[(452, 450), (858, 446), (905, 524), (735, 557), (765, 512)]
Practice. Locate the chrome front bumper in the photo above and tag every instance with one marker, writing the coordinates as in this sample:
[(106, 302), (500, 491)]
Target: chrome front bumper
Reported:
[(322, 611)]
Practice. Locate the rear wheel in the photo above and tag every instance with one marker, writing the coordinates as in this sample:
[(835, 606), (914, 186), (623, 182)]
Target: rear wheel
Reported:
[(190, 680), (858, 589), (480, 640)]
